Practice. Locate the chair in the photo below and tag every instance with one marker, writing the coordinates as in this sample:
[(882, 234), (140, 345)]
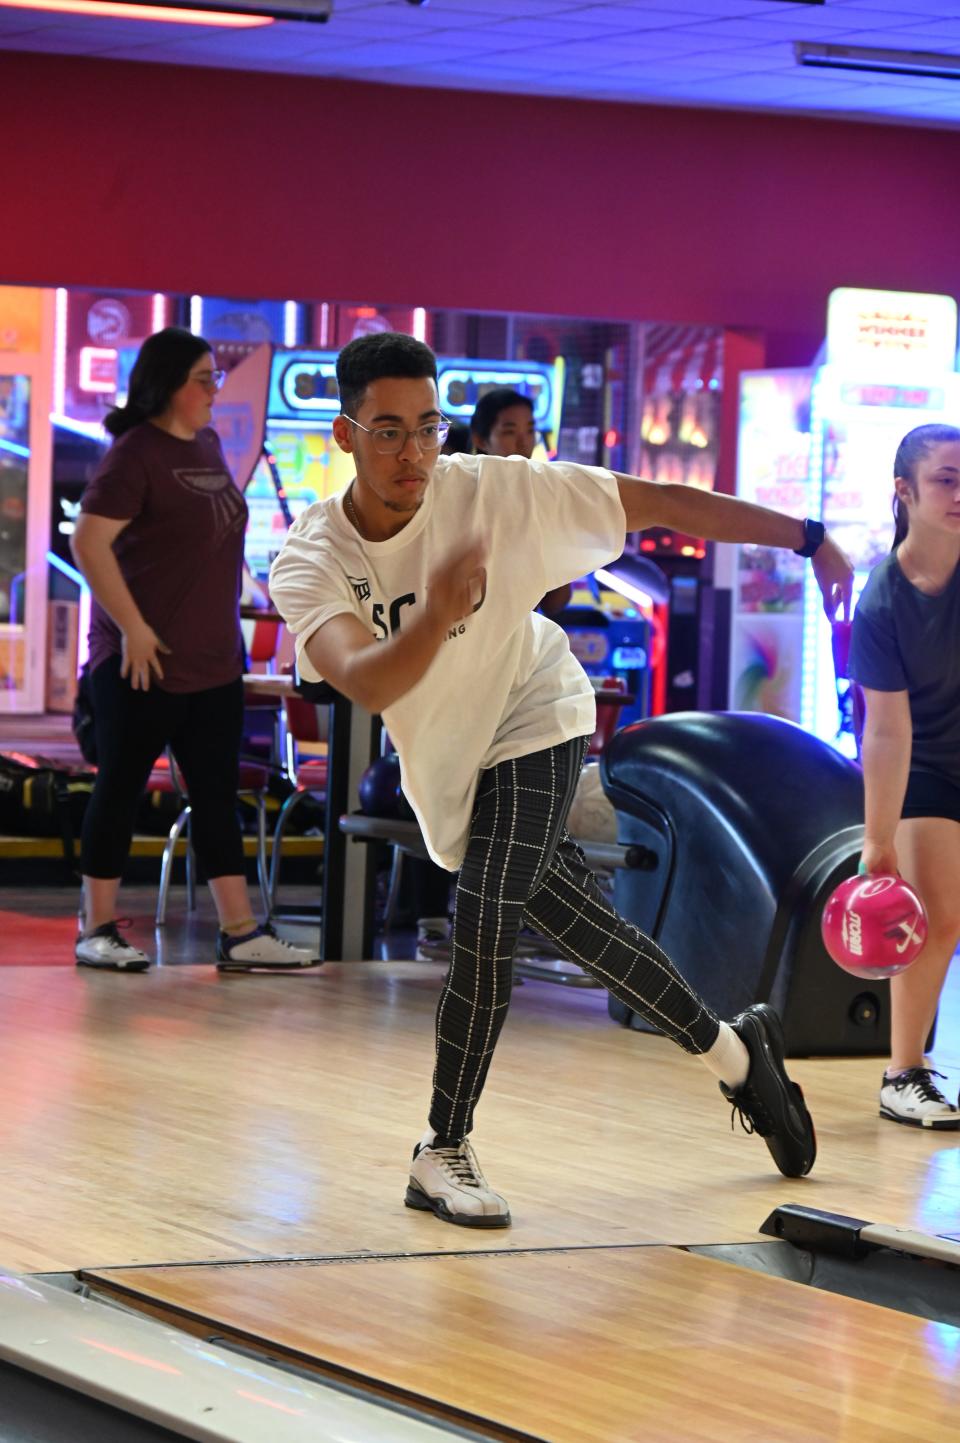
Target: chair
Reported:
[(166, 778), (305, 722), (613, 690)]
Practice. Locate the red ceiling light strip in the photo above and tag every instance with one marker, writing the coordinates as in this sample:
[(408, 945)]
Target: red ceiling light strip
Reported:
[(117, 10)]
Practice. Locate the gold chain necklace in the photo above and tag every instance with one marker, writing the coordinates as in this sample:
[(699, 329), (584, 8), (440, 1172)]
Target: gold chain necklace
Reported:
[(351, 509)]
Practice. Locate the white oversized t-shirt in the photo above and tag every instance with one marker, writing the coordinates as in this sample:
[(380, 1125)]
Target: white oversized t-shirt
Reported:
[(504, 682)]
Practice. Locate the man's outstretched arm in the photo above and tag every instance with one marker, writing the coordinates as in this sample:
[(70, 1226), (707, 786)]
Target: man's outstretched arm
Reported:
[(725, 518)]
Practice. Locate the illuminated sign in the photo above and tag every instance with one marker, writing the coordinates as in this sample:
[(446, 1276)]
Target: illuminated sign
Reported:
[(461, 384), (98, 369), (303, 385), (921, 398), (891, 333)]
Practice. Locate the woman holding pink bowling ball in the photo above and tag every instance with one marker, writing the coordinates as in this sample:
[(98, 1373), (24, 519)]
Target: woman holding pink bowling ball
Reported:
[(905, 654)]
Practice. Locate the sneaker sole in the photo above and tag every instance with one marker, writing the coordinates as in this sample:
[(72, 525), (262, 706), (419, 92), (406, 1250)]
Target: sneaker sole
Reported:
[(266, 967), (416, 1198), (949, 1124), (768, 1024), (114, 966)]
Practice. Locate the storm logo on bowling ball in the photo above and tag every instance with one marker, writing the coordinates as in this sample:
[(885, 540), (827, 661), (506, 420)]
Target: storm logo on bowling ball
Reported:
[(851, 930)]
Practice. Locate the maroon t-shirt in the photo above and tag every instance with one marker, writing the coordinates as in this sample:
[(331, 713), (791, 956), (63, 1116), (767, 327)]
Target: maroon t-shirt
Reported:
[(181, 555)]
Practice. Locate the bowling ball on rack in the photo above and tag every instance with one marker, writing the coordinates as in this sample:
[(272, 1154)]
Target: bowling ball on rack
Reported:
[(380, 794), (874, 927)]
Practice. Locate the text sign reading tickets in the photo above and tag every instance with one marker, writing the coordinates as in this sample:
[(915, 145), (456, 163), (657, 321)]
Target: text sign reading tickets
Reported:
[(304, 384), (891, 333)]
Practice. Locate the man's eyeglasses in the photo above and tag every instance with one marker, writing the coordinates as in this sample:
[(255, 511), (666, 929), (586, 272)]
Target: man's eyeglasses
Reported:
[(390, 440), (210, 380)]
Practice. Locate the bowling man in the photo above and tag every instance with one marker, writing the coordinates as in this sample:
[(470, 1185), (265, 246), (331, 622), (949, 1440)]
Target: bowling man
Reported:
[(412, 592)]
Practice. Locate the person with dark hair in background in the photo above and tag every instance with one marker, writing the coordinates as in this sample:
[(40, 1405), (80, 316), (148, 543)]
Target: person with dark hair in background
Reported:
[(412, 592), (458, 441), (160, 542), (502, 425), (905, 653)]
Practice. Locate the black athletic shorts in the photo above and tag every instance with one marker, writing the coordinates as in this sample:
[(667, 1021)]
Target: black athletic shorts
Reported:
[(932, 794)]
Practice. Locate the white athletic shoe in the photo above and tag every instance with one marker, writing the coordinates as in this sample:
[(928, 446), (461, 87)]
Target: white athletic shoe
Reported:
[(261, 948), (106, 949), (447, 1181), (433, 939), (914, 1098)]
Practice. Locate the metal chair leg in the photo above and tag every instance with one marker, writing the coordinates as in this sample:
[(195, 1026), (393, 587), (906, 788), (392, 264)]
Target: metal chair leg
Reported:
[(166, 866), (279, 831), (190, 867), (262, 852)]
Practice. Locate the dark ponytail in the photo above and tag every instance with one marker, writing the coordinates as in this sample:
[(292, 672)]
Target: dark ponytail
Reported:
[(162, 366), (912, 449)]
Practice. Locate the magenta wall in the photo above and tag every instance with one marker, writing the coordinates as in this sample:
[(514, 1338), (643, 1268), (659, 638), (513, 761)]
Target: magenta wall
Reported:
[(268, 185)]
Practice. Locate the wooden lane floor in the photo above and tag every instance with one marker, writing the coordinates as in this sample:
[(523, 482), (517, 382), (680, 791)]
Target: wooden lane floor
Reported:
[(593, 1346), (183, 1116)]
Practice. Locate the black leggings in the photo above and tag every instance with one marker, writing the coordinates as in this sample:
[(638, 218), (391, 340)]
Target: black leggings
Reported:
[(203, 728), (520, 863)]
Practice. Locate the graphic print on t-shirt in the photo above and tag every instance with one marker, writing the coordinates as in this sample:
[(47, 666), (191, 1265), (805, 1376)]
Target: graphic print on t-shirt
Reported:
[(229, 508)]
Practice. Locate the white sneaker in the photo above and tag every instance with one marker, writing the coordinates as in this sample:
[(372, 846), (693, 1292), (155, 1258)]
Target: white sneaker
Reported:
[(447, 1181), (433, 939), (105, 948), (914, 1098), (261, 948)]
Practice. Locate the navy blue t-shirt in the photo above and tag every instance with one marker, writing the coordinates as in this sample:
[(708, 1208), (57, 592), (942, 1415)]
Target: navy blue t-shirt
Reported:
[(906, 641)]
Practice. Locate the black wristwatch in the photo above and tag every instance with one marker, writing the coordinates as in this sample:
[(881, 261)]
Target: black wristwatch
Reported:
[(813, 535)]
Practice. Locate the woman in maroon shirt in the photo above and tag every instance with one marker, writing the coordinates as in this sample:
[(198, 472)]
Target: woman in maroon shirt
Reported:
[(160, 541)]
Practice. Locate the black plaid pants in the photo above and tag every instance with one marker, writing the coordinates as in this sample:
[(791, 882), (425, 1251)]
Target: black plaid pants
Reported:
[(521, 865)]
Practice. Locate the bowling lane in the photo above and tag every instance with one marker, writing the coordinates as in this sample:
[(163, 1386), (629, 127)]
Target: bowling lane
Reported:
[(180, 1116), (650, 1344)]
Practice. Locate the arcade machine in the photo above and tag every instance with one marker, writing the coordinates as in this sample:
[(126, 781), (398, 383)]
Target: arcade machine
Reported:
[(679, 429), (26, 322), (821, 443), (617, 625), (299, 451)]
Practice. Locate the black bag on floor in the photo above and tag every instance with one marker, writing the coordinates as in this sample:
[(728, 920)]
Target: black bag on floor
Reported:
[(41, 798)]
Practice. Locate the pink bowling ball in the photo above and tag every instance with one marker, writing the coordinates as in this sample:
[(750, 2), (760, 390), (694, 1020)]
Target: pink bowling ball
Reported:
[(874, 926)]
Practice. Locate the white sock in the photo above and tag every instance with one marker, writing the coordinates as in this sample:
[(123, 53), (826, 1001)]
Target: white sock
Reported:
[(728, 1058), (429, 1138)]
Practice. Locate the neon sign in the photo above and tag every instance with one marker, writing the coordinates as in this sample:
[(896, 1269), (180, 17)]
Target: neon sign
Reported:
[(461, 385), (304, 384)]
